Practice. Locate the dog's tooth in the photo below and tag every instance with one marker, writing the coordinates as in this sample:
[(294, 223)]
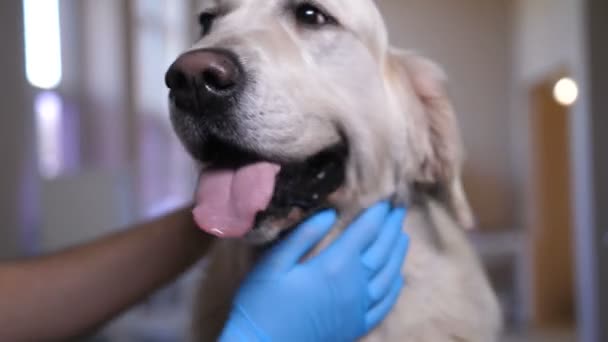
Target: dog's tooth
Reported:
[(321, 175)]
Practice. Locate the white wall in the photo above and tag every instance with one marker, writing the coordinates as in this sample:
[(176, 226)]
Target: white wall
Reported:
[(472, 40), (546, 33)]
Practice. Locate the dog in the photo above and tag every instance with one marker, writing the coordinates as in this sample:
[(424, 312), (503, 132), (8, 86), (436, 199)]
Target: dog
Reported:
[(293, 106)]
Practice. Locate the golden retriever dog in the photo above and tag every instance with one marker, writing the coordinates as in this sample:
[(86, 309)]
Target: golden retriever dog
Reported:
[(293, 106)]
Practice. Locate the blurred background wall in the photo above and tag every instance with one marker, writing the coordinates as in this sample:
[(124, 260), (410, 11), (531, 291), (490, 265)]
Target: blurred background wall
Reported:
[(95, 151), (18, 176), (454, 34)]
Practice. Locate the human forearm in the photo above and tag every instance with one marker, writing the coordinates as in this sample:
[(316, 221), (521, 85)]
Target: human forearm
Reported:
[(73, 292)]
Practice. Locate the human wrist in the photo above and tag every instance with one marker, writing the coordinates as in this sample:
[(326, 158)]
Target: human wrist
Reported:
[(194, 242)]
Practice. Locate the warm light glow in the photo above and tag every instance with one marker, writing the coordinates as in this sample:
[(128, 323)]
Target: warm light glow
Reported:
[(42, 43), (566, 91)]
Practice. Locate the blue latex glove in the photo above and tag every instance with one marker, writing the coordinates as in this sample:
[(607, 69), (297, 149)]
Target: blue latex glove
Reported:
[(339, 295)]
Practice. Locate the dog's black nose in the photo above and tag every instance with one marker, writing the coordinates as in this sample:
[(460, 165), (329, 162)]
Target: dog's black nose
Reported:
[(208, 74)]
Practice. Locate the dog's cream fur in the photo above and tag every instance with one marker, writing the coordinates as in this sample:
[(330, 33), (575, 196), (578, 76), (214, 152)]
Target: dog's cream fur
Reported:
[(311, 88)]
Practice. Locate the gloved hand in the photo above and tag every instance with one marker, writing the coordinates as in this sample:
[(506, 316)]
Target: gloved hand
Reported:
[(339, 295)]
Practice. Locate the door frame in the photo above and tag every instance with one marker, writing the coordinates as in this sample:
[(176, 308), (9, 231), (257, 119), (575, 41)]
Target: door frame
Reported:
[(540, 96)]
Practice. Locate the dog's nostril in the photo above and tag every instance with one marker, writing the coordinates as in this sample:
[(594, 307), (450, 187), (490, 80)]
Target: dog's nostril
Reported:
[(176, 80), (220, 78)]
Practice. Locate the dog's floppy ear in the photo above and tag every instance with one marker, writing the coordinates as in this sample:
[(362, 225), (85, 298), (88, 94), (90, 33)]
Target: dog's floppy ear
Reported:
[(434, 143)]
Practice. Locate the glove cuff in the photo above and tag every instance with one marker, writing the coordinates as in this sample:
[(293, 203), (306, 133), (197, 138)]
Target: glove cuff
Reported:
[(240, 327)]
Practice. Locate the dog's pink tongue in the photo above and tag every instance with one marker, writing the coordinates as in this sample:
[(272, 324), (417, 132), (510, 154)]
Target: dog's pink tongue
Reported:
[(228, 200)]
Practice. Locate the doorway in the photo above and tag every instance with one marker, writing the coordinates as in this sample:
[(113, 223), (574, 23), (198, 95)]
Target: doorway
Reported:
[(552, 234)]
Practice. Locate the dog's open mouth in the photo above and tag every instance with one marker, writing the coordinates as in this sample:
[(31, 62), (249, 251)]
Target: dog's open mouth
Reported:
[(239, 190)]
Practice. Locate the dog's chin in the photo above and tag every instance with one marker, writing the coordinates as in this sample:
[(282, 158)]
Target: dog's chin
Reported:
[(263, 236), (302, 187)]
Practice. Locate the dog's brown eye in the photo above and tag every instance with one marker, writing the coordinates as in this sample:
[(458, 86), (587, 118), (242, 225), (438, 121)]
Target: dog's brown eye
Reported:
[(310, 15), (205, 20)]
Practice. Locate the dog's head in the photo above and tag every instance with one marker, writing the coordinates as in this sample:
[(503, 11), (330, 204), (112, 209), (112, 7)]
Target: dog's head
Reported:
[(292, 106)]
